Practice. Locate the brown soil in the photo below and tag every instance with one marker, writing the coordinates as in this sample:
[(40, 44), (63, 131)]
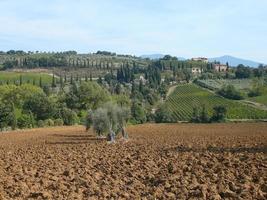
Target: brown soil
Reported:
[(179, 161)]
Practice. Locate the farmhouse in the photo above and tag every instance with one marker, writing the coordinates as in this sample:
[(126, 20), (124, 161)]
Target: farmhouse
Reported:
[(220, 67), (200, 59), (196, 70)]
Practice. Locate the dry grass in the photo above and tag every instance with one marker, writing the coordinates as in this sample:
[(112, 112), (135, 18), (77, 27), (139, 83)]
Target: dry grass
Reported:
[(176, 161)]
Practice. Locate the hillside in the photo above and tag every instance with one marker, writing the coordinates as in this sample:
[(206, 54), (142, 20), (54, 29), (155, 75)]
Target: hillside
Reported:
[(234, 61), (185, 97)]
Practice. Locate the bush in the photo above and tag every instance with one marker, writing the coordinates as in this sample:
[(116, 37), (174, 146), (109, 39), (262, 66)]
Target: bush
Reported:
[(58, 122), (41, 123), (26, 121), (230, 92), (258, 91), (200, 115), (68, 116), (219, 114), (7, 116), (138, 114), (163, 115), (49, 122)]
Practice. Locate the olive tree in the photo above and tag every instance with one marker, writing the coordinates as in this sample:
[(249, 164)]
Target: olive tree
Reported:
[(110, 119), (100, 121)]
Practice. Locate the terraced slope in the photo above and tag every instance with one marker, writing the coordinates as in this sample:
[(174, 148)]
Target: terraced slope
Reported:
[(185, 97)]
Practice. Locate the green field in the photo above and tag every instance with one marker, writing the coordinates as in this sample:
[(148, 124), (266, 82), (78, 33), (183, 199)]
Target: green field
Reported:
[(259, 99), (240, 84), (27, 77), (185, 97)]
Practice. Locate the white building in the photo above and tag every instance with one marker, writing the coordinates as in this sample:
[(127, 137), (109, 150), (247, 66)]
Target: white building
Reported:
[(200, 59), (196, 70)]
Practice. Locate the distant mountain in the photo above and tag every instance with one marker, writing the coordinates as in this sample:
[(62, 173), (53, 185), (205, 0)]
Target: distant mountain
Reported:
[(233, 61), (158, 56)]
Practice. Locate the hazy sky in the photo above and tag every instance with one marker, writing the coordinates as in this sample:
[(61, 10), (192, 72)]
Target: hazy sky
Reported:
[(182, 28)]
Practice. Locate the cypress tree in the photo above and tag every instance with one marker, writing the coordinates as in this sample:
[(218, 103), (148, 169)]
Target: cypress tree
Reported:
[(40, 82), (71, 79), (61, 82), (53, 81), (20, 80)]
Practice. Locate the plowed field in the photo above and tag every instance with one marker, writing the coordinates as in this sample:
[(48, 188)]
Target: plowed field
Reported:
[(175, 161)]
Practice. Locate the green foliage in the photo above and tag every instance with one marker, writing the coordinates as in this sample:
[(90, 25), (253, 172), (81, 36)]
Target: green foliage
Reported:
[(162, 115), (40, 106), (18, 94), (68, 116), (138, 113), (26, 120), (219, 114), (230, 92), (41, 123), (200, 115), (91, 95), (243, 72), (49, 122), (109, 118), (100, 121), (7, 116), (58, 122)]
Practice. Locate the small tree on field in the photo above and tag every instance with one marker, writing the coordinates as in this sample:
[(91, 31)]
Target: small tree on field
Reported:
[(109, 119), (100, 121), (219, 113), (200, 116)]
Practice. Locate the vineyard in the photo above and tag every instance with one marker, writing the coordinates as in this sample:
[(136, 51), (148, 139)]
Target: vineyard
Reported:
[(240, 84), (185, 97)]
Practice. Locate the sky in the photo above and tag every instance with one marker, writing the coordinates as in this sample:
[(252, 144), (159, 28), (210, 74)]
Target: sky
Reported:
[(186, 28)]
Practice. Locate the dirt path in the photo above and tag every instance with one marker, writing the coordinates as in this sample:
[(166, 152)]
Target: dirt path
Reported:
[(170, 90)]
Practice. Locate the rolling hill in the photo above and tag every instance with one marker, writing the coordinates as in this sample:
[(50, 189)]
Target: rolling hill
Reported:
[(234, 61)]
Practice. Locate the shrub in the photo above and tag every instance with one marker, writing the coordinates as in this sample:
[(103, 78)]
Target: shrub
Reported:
[(257, 91), (7, 116), (26, 121), (41, 123), (49, 122), (163, 115), (200, 115), (138, 113), (219, 114), (58, 122), (68, 116), (230, 92)]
